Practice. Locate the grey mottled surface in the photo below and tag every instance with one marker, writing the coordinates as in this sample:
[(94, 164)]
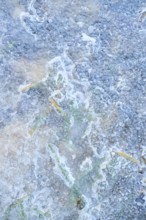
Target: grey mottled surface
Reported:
[(73, 109)]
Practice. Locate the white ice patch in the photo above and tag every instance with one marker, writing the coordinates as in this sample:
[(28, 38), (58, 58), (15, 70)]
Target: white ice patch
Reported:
[(23, 15), (91, 44), (86, 165), (61, 168), (87, 38), (80, 24)]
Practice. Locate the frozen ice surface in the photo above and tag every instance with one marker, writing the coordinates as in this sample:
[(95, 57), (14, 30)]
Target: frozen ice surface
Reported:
[(73, 109)]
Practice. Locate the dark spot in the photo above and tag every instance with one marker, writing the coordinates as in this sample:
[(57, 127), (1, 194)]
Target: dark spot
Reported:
[(141, 171), (143, 159), (80, 203), (140, 198)]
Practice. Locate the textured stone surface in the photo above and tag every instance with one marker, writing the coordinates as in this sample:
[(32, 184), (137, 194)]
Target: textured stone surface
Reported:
[(73, 109)]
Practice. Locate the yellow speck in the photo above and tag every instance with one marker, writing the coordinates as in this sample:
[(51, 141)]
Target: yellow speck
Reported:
[(25, 88), (31, 131), (54, 103), (127, 156)]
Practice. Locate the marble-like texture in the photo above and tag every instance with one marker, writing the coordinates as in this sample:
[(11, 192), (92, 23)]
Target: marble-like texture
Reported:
[(73, 109)]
